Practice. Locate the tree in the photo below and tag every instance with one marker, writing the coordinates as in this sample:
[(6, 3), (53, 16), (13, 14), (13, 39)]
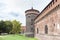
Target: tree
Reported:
[(8, 26), (2, 26), (5, 26), (16, 27)]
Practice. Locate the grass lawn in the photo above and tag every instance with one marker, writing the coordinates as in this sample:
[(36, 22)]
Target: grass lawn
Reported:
[(15, 37)]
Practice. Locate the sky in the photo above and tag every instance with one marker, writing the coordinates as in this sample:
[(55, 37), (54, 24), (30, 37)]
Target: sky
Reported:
[(15, 9)]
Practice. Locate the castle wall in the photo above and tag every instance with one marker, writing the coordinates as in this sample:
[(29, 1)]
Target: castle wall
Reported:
[(48, 23)]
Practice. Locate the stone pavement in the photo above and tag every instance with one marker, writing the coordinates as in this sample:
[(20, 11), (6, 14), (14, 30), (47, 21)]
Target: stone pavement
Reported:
[(48, 37)]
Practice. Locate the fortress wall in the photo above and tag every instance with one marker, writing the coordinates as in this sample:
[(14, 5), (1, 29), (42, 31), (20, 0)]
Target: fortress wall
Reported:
[(47, 9), (50, 17)]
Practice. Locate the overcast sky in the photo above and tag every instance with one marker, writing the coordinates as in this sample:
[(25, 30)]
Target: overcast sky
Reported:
[(15, 9)]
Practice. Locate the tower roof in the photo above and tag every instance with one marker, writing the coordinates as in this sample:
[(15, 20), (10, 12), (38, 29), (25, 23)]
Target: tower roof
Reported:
[(32, 10)]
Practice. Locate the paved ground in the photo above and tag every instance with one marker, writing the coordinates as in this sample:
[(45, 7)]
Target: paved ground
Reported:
[(48, 37)]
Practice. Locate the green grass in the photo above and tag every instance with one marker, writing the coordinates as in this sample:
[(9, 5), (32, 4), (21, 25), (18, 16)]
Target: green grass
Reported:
[(15, 37)]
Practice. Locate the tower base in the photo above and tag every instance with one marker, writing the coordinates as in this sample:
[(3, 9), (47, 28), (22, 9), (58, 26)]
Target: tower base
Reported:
[(29, 34)]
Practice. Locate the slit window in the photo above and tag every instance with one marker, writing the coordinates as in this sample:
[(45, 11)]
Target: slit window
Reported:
[(37, 30), (46, 29)]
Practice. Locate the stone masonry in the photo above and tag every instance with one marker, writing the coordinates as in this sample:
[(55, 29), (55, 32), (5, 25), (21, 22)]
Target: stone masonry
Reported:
[(47, 23), (30, 16)]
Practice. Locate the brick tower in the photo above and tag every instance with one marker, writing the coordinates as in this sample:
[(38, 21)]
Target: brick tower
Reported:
[(30, 16)]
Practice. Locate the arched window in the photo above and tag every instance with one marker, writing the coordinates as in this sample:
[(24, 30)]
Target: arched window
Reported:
[(46, 29), (37, 30)]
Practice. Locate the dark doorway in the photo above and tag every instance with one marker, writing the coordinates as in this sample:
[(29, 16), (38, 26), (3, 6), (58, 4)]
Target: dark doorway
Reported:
[(46, 29)]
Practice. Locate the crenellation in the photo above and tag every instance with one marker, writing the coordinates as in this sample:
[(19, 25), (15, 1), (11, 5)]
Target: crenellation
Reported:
[(49, 6)]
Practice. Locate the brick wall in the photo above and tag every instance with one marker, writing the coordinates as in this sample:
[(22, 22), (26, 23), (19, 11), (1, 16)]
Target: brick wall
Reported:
[(51, 18)]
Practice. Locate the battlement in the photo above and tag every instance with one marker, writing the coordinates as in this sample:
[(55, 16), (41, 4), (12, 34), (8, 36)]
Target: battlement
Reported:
[(53, 4), (32, 11)]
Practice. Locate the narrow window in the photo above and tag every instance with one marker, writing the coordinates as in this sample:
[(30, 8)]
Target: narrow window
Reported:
[(54, 24), (37, 31), (46, 29), (32, 30), (31, 23)]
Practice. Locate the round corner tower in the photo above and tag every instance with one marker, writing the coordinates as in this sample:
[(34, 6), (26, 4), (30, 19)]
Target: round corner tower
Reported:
[(30, 16)]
